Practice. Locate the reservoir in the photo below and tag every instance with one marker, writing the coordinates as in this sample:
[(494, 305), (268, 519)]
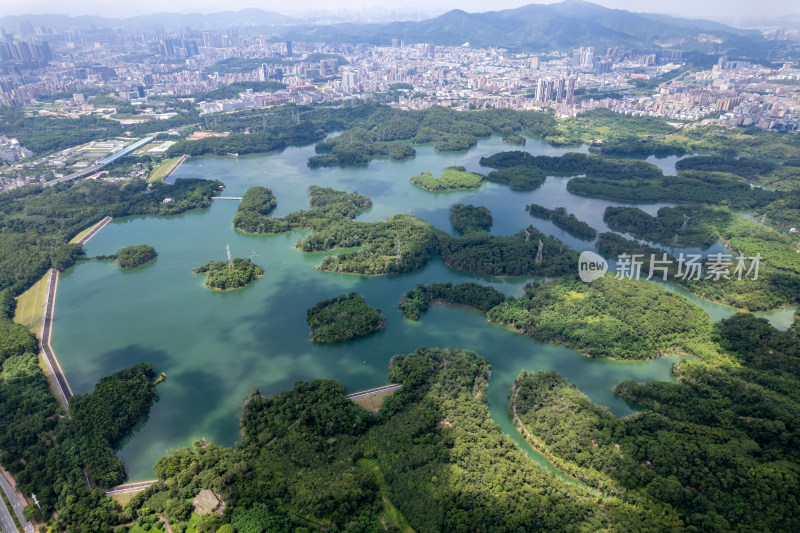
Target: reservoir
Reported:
[(217, 346)]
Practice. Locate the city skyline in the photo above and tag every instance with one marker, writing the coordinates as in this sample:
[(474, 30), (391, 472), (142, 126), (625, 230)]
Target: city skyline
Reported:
[(712, 9)]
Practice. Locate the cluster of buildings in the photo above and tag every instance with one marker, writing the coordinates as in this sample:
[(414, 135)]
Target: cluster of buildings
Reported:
[(99, 71)]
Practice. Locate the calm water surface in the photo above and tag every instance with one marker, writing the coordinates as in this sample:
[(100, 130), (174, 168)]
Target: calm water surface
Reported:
[(216, 346)]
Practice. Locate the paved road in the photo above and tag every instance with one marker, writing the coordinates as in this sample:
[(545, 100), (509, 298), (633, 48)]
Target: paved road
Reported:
[(100, 225), (16, 504), (64, 392), (6, 522), (370, 392)]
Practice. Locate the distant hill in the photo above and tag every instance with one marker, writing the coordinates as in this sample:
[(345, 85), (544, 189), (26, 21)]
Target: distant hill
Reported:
[(540, 27), (565, 25)]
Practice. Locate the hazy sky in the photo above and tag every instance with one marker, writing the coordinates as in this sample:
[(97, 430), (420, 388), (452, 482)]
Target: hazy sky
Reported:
[(689, 8)]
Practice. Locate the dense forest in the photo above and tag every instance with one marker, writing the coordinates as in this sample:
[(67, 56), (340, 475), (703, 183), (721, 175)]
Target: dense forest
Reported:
[(256, 204), (480, 297), (469, 218), (432, 460), (513, 255), (617, 318), (719, 447), (688, 227), (404, 243), (48, 453), (343, 318), (518, 178), (134, 256), (223, 277), (561, 219), (453, 178), (630, 180)]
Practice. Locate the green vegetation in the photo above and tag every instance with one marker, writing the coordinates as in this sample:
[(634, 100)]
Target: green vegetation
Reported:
[(453, 178), (166, 165), (343, 318), (417, 301), (573, 164), (15, 339), (356, 147), (327, 206), (702, 229), (513, 255), (567, 222), (512, 138), (717, 447), (519, 178), (745, 167), (309, 455), (220, 276), (251, 215), (404, 243), (772, 289), (621, 319), (469, 219), (134, 256), (36, 224), (46, 451)]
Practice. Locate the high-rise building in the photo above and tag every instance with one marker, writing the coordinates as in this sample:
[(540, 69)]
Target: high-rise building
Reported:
[(288, 48), (535, 63), (571, 90), (395, 43)]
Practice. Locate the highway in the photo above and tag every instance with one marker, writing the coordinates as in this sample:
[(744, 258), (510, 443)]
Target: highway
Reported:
[(16, 504), (6, 522)]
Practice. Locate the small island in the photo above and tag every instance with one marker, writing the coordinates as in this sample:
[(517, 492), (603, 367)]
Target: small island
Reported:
[(134, 256), (343, 318), (256, 204), (513, 138), (453, 178), (222, 276)]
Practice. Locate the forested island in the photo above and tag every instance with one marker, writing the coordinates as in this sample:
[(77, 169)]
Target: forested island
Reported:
[(453, 178), (561, 219), (470, 219), (343, 318), (134, 256), (222, 276), (251, 215)]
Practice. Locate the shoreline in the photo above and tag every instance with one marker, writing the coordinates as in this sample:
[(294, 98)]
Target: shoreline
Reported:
[(55, 372)]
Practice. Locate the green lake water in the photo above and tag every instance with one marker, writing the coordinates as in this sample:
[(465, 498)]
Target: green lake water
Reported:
[(216, 346)]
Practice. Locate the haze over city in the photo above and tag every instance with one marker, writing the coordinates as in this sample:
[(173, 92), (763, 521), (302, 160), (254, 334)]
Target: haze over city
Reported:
[(713, 9)]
